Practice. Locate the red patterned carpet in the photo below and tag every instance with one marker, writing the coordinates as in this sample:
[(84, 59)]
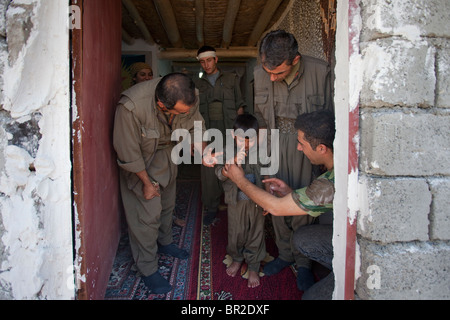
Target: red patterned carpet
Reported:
[(215, 284), (202, 276)]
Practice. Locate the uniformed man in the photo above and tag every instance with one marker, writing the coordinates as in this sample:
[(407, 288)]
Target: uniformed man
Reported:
[(315, 135), (288, 84), (146, 116), (220, 102)]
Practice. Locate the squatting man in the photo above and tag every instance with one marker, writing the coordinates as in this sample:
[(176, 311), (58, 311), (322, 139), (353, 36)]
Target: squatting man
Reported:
[(315, 137)]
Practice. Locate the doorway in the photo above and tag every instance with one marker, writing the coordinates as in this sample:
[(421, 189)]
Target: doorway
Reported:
[(96, 54), (96, 50)]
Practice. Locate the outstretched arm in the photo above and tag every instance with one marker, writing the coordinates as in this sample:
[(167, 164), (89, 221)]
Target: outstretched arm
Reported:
[(284, 206)]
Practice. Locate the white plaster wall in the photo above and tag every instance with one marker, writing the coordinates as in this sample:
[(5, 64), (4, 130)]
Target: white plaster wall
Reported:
[(35, 200), (347, 88)]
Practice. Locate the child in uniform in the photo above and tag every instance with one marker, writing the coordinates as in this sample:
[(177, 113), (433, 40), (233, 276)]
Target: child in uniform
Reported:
[(245, 219)]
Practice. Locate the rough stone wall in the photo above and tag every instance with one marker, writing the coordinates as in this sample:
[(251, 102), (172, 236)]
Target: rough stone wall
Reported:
[(36, 259), (404, 183), (303, 20)]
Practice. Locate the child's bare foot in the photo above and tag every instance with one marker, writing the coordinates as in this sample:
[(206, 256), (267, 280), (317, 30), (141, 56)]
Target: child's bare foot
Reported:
[(253, 279), (233, 269), (180, 222)]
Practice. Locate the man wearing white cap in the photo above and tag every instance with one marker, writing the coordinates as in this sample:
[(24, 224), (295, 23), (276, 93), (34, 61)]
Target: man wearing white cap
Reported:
[(220, 103)]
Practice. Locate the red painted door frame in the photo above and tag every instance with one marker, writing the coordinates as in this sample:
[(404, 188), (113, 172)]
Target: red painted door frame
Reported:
[(353, 163), (96, 54)]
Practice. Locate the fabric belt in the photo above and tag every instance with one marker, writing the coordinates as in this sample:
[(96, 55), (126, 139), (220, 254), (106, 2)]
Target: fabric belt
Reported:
[(164, 145), (285, 125)]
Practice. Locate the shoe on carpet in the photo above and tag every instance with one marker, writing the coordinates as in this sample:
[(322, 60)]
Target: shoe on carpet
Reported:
[(174, 251), (275, 266), (209, 217), (305, 278), (156, 283)]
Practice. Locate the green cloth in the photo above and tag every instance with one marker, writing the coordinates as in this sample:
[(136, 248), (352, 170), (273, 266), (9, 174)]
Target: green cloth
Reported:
[(318, 197)]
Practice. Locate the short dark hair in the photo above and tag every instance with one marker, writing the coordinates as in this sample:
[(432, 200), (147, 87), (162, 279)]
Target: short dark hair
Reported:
[(176, 87), (246, 121), (205, 49), (318, 127), (277, 47)]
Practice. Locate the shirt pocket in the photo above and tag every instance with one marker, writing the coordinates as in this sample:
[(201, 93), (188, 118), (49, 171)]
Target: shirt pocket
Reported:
[(315, 102), (261, 97), (149, 141), (262, 106)]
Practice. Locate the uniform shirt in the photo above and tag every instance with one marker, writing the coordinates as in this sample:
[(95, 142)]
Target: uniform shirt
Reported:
[(318, 197), (308, 91), (225, 92), (141, 130)]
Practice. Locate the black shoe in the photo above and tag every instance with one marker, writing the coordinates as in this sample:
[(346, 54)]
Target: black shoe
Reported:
[(209, 217), (174, 251), (275, 266), (156, 283), (305, 278)]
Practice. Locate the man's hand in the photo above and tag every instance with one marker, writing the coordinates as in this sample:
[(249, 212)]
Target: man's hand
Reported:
[(277, 187), (151, 190), (233, 172)]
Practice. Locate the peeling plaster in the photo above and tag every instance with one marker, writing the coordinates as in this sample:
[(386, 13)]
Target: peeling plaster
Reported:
[(35, 180)]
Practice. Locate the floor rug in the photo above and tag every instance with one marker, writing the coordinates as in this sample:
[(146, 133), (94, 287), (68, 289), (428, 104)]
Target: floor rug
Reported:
[(126, 284), (202, 276), (215, 284)]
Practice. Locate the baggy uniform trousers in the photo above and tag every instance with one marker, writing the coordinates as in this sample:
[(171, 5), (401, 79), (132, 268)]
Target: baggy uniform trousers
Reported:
[(150, 221), (246, 233)]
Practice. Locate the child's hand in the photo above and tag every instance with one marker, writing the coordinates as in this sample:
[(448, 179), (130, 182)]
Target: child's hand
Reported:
[(211, 159), (240, 156)]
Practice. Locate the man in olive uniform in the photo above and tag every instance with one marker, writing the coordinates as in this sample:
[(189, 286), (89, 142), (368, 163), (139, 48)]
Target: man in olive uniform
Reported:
[(287, 85), (220, 102), (146, 116)]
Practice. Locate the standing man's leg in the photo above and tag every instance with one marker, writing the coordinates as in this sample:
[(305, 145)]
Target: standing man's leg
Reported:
[(165, 234), (143, 219)]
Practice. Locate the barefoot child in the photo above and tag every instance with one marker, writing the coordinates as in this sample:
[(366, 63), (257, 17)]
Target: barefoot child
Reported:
[(245, 218)]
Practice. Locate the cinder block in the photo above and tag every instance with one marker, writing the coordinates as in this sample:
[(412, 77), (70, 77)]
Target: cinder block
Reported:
[(394, 209), (398, 72), (405, 144), (443, 77), (410, 19), (440, 209), (415, 270)]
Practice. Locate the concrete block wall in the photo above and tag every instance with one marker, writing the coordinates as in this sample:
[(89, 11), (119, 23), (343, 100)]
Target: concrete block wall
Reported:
[(404, 183)]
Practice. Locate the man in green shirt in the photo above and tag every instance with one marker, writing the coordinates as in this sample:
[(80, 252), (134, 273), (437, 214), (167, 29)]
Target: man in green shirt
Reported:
[(315, 136)]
